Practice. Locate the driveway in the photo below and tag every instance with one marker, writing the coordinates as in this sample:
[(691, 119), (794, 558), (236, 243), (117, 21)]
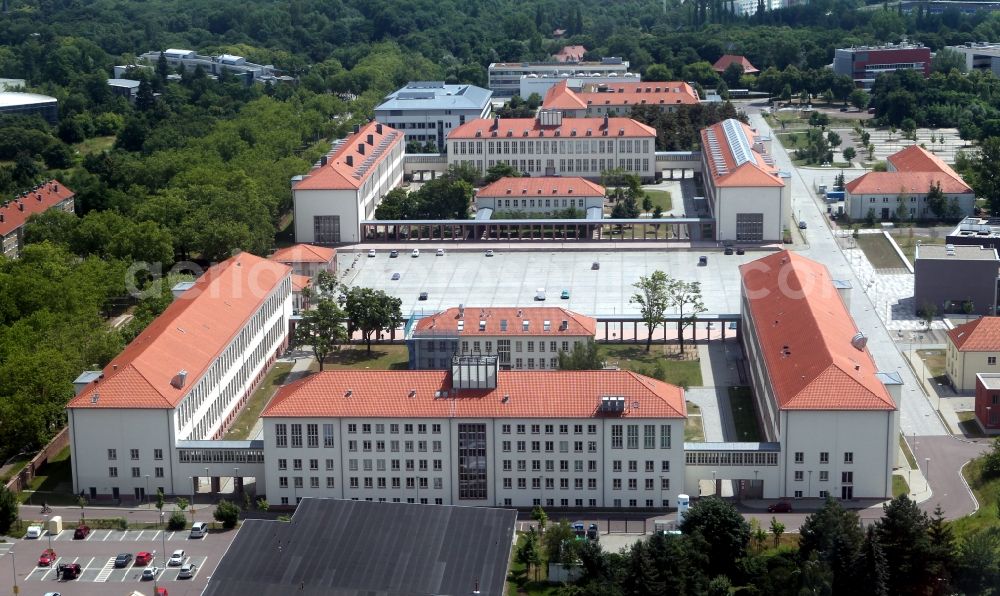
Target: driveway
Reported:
[(947, 455)]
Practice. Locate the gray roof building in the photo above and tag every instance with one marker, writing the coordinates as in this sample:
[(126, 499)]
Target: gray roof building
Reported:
[(25, 104), (955, 279), (426, 111)]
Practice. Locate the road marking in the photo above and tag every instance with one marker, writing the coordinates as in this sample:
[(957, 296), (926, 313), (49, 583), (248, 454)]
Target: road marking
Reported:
[(87, 566), (90, 535), (155, 535), (106, 536), (139, 537), (171, 537), (106, 571)]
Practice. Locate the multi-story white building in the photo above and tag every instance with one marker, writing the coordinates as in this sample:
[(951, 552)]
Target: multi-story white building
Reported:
[(346, 185), (748, 196), (979, 55), (541, 195), (549, 145), (143, 422), (215, 65), (818, 392), (540, 84), (15, 213), (618, 99), (426, 111), (505, 77), (475, 436), (521, 338)]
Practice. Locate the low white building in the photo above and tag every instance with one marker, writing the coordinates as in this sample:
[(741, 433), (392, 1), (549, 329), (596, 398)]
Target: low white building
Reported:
[(748, 196), (550, 145), (152, 418), (541, 195), (505, 77), (521, 338), (426, 111), (818, 391), (475, 436), (540, 84), (346, 185)]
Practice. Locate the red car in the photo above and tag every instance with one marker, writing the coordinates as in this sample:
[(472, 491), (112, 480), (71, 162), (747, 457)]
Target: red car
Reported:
[(780, 507), (69, 570), (48, 556), (81, 532), (143, 558)]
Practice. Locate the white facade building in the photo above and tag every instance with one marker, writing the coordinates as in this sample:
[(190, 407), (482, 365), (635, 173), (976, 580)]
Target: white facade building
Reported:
[(541, 195), (549, 145), (818, 392), (215, 65), (179, 385), (748, 196), (540, 84), (472, 436), (426, 111), (347, 184), (505, 77)]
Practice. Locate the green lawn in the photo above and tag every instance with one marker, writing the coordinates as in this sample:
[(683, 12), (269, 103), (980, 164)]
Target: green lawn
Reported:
[(95, 145), (912, 461), (988, 494), (241, 427), (519, 583), (694, 429), (879, 252), (660, 362), (382, 357), (744, 418), (53, 482), (793, 140), (661, 199), (899, 486), (934, 360)]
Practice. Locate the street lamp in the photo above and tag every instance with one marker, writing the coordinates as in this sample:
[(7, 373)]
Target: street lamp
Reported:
[(147, 491), (237, 475), (715, 485), (927, 471), (209, 480), (163, 539), (14, 569)]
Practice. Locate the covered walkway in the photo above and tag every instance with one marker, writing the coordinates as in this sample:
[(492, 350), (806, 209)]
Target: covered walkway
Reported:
[(640, 229)]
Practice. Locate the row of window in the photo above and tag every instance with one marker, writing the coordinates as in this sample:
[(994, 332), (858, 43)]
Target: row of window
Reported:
[(548, 429), (824, 476), (379, 429), (824, 457), (578, 484), (552, 147), (367, 465), (548, 203), (564, 465), (312, 435), (136, 472), (133, 454)]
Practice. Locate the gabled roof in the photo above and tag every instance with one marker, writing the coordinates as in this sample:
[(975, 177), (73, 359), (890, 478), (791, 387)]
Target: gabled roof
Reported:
[(496, 319), (190, 334), (17, 210), (561, 97), (518, 394), (981, 335), (303, 253), (732, 159), (723, 63), (347, 168), (520, 128), (913, 183), (805, 333), (300, 282), (552, 186)]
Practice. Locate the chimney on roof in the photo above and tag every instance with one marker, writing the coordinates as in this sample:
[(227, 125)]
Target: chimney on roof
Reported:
[(496, 123), (20, 206), (361, 148), (1, 217), (179, 379), (350, 160), (564, 325), (378, 128), (605, 125), (93, 398)]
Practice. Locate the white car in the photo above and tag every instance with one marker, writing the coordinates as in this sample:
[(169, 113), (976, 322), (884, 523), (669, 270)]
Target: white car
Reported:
[(371, 252), (176, 559), (34, 532), (415, 253), (187, 571), (150, 573), (489, 252), (440, 252), (540, 294)]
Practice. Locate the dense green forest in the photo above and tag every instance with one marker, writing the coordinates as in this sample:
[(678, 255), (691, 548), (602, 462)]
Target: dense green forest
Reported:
[(196, 168)]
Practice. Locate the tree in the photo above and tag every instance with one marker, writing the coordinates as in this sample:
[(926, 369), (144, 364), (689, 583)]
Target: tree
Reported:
[(586, 357), (144, 99), (685, 296), (8, 509), (182, 504), (538, 514), (902, 532), (942, 564), (833, 534), (991, 460), (834, 139), (873, 575), (528, 552), (946, 60), (176, 521), (322, 328), (500, 170), (81, 502), (397, 204), (757, 534), (936, 201), (263, 505), (371, 311), (777, 529), (226, 513), (849, 154), (729, 532), (819, 119), (560, 543), (978, 563), (653, 297), (647, 203), (859, 98), (159, 500)]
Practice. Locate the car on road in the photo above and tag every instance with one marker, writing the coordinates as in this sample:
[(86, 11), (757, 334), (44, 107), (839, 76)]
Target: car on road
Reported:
[(729, 249), (143, 558), (843, 109), (422, 296), (69, 570), (740, 250), (177, 558), (34, 532), (802, 224), (540, 294), (564, 295), (371, 252), (595, 266), (187, 571), (393, 254), (47, 558), (489, 252), (150, 573), (439, 252), (81, 532), (702, 261), (780, 507), (123, 559), (395, 277), (52, 594), (415, 253)]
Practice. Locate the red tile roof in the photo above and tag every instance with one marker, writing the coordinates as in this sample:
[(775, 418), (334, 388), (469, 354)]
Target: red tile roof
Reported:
[(303, 253), (914, 183), (338, 174), (981, 335), (917, 159), (190, 334), (553, 186), (518, 128), (529, 394), (536, 316), (18, 210), (756, 172), (805, 331), (300, 282), (723, 63), (570, 54), (561, 97)]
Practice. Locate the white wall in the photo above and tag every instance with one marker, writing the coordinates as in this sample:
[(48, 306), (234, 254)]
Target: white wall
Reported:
[(595, 153), (539, 203), (770, 201), (857, 206)]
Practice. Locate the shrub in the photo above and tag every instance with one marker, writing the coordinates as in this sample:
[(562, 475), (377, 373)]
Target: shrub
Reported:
[(227, 513), (177, 521)]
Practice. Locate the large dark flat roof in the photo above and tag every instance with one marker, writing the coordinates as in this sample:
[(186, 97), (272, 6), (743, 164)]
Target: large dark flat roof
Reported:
[(364, 548)]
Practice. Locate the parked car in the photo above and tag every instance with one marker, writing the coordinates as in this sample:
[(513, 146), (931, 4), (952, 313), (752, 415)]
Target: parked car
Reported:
[(143, 558), (371, 252), (702, 261), (393, 254), (395, 277), (729, 249), (780, 507), (81, 532), (198, 530), (439, 252), (740, 251), (69, 571), (415, 253), (422, 296), (34, 532), (540, 294), (150, 573), (579, 530), (564, 295), (489, 252), (843, 109), (187, 571), (177, 558), (48, 557), (592, 532), (802, 224), (52, 594), (123, 559), (595, 266)]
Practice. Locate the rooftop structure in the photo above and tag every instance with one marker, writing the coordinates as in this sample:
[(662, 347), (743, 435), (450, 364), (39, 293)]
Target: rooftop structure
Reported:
[(978, 335), (973, 349), (723, 63), (979, 55), (215, 65), (542, 187), (306, 259), (551, 127), (960, 279), (951, 252), (395, 549), (737, 156), (351, 161), (25, 104), (15, 213), (542, 321)]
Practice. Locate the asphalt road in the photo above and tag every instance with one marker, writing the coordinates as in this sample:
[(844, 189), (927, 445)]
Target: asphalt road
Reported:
[(947, 455)]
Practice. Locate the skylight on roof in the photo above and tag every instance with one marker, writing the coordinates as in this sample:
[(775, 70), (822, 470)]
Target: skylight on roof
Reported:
[(739, 144)]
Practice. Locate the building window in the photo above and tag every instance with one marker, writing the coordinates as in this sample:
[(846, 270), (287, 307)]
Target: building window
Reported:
[(824, 457), (157, 454), (283, 481), (649, 436), (749, 227), (281, 435), (330, 482), (112, 454), (798, 494), (297, 464), (616, 436), (991, 360), (113, 472), (799, 457), (329, 464), (133, 454), (633, 436), (296, 435), (136, 473), (799, 475), (824, 475), (326, 229), (314, 464), (282, 464), (158, 472), (472, 462), (312, 434), (848, 457), (328, 435)]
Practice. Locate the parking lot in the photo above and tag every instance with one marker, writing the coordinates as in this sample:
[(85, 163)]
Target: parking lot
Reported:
[(511, 278), (96, 557)]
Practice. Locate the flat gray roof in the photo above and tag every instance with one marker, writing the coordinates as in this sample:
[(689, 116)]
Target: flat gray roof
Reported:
[(732, 446), (12, 98), (960, 252), (989, 380), (365, 548), (435, 95)]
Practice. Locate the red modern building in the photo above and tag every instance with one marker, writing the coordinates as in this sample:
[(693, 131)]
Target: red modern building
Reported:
[(865, 63), (988, 401)]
